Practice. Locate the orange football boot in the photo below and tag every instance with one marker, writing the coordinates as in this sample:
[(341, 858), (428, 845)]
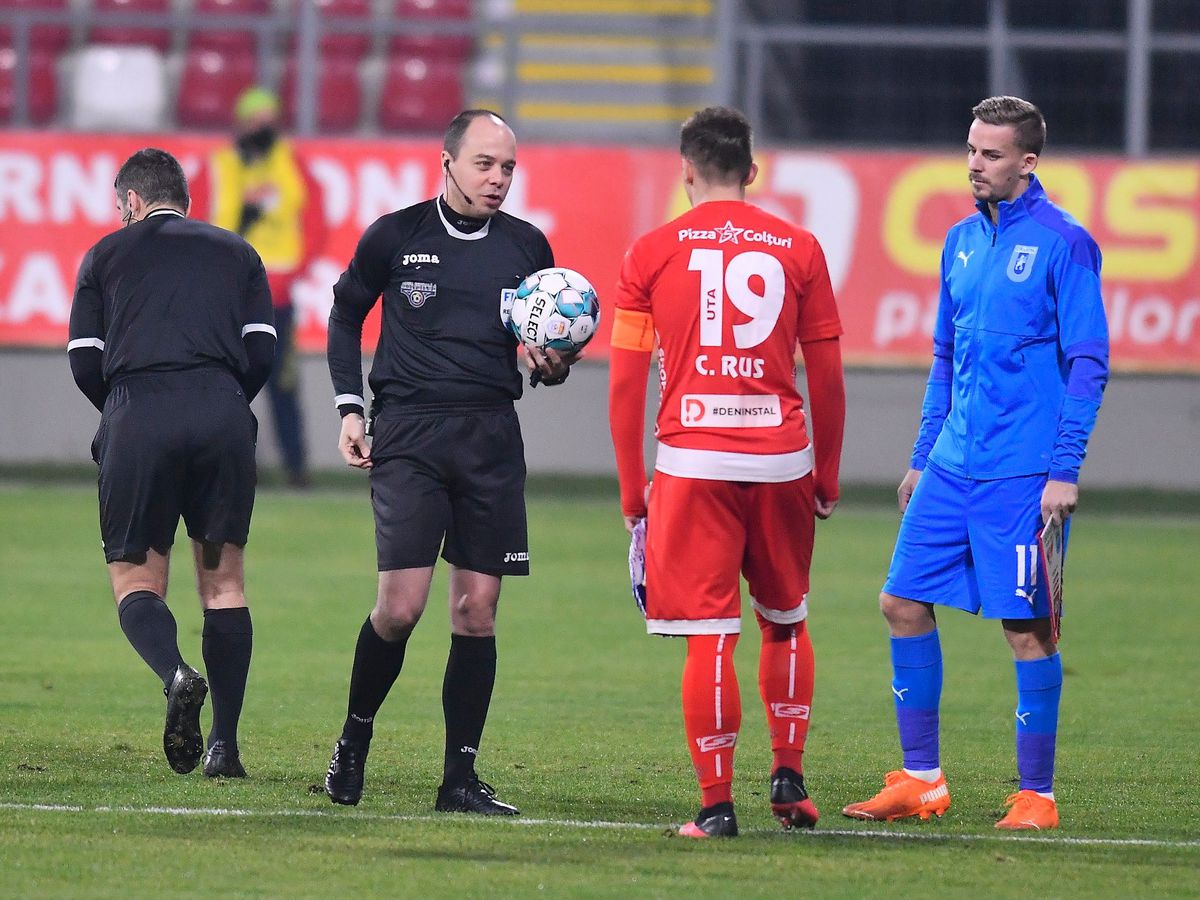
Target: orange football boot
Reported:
[(903, 796), (1029, 810)]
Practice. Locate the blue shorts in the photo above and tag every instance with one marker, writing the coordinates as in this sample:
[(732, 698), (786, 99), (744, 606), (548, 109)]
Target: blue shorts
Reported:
[(973, 545)]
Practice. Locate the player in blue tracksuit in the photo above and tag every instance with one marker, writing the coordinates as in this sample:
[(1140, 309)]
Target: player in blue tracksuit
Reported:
[(1020, 364)]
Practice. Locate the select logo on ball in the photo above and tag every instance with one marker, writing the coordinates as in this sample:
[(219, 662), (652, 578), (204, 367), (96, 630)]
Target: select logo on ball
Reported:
[(535, 311), (555, 309)]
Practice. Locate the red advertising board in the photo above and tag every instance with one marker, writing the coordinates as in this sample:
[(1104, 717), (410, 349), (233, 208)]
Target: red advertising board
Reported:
[(880, 217)]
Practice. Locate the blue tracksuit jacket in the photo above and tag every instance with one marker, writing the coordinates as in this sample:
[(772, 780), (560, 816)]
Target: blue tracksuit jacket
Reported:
[(1020, 345)]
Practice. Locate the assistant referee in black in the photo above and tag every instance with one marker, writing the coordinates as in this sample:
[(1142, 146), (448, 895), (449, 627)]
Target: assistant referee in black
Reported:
[(447, 461), (171, 336)]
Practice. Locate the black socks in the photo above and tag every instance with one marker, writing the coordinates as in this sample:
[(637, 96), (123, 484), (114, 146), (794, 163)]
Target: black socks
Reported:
[(377, 664), (228, 640), (466, 696), (150, 629)]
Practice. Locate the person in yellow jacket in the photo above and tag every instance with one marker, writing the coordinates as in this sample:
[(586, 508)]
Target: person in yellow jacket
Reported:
[(258, 187)]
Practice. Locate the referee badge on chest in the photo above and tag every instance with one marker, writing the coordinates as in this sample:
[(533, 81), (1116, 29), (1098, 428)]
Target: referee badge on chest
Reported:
[(417, 292), (1020, 264)]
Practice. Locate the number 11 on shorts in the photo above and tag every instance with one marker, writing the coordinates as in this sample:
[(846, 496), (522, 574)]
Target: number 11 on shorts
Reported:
[(1027, 571)]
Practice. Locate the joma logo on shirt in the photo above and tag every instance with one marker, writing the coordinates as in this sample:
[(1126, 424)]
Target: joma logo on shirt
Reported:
[(410, 258)]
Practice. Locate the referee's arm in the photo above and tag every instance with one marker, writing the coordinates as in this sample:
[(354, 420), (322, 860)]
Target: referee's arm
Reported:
[(85, 344), (353, 297), (258, 332)]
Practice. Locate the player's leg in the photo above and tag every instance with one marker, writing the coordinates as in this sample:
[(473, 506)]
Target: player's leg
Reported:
[(228, 641), (778, 556), (218, 500), (695, 543), (1039, 690), (467, 693), (486, 540), (139, 511), (931, 564), (1015, 592), (378, 659), (712, 720), (411, 509), (146, 620)]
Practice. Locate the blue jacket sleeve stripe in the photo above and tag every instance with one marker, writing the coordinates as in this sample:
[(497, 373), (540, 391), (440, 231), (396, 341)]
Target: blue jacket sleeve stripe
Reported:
[(1088, 373)]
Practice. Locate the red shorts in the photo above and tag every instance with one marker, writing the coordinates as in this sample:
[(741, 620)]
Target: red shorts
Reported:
[(702, 535)]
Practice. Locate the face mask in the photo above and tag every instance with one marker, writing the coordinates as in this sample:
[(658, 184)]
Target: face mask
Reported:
[(127, 219), (256, 143)]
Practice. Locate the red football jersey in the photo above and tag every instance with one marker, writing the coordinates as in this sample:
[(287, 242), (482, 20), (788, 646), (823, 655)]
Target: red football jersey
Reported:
[(729, 291)]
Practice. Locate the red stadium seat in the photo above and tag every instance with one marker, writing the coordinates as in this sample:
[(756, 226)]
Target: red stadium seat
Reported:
[(158, 38), (444, 46), (43, 86), (53, 38), (241, 39), (420, 95), (353, 46), (210, 85), (339, 95)]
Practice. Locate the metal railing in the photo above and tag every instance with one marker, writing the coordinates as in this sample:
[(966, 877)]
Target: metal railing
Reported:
[(739, 53)]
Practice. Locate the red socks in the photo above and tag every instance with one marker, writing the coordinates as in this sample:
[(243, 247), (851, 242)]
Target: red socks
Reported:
[(712, 706), (712, 712), (785, 681)]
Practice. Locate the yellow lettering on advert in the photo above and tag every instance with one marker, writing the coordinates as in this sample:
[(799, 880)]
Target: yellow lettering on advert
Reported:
[(1138, 206), (908, 248)]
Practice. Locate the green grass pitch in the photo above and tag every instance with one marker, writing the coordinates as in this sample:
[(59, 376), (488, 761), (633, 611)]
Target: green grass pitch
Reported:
[(585, 733)]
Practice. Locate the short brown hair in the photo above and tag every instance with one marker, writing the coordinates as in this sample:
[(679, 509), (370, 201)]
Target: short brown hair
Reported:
[(1026, 119), (458, 126), (717, 141)]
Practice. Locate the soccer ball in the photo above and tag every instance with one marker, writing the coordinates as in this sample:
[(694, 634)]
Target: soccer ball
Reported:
[(555, 308)]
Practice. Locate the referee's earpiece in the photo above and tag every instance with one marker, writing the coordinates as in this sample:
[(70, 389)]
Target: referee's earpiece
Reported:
[(450, 175)]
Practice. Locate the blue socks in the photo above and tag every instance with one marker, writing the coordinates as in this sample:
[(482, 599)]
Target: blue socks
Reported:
[(1039, 688), (916, 690)]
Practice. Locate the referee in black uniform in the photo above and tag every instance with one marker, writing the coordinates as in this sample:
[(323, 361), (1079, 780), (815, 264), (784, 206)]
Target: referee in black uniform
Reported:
[(447, 461), (171, 336)]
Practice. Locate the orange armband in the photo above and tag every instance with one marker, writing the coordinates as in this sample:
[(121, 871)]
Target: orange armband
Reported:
[(632, 330)]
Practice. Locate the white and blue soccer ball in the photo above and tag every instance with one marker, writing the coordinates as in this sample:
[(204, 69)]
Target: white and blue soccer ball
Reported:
[(555, 308)]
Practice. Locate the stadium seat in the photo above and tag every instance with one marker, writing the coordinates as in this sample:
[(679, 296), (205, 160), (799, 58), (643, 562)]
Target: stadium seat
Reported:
[(242, 40), (158, 38), (420, 95), (53, 38), (118, 89), (339, 95), (455, 47), (210, 85), (43, 86), (353, 46)]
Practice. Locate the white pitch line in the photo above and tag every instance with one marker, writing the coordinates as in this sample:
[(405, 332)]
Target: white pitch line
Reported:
[(803, 834)]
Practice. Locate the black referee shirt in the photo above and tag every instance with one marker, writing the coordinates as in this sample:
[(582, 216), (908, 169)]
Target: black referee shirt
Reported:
[(170, 294), (443, 340)]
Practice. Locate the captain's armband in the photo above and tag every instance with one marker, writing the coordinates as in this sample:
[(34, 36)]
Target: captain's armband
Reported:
[(632, 330)]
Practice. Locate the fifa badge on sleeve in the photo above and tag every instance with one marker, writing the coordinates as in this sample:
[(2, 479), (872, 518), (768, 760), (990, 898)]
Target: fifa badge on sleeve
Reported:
[(637, 565)]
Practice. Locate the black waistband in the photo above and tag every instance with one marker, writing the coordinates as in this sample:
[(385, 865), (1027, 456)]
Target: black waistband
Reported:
[(173, 379), (387, 409)]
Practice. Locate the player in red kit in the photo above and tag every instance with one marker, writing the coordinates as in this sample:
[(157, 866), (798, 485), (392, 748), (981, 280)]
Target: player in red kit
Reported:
[(726, 292)]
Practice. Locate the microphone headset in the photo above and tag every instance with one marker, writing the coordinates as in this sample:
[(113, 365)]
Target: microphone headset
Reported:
[(450, 175)]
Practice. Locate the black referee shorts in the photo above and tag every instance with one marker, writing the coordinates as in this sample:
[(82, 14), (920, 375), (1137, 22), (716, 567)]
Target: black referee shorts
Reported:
[(172, 444), (450, 479)]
